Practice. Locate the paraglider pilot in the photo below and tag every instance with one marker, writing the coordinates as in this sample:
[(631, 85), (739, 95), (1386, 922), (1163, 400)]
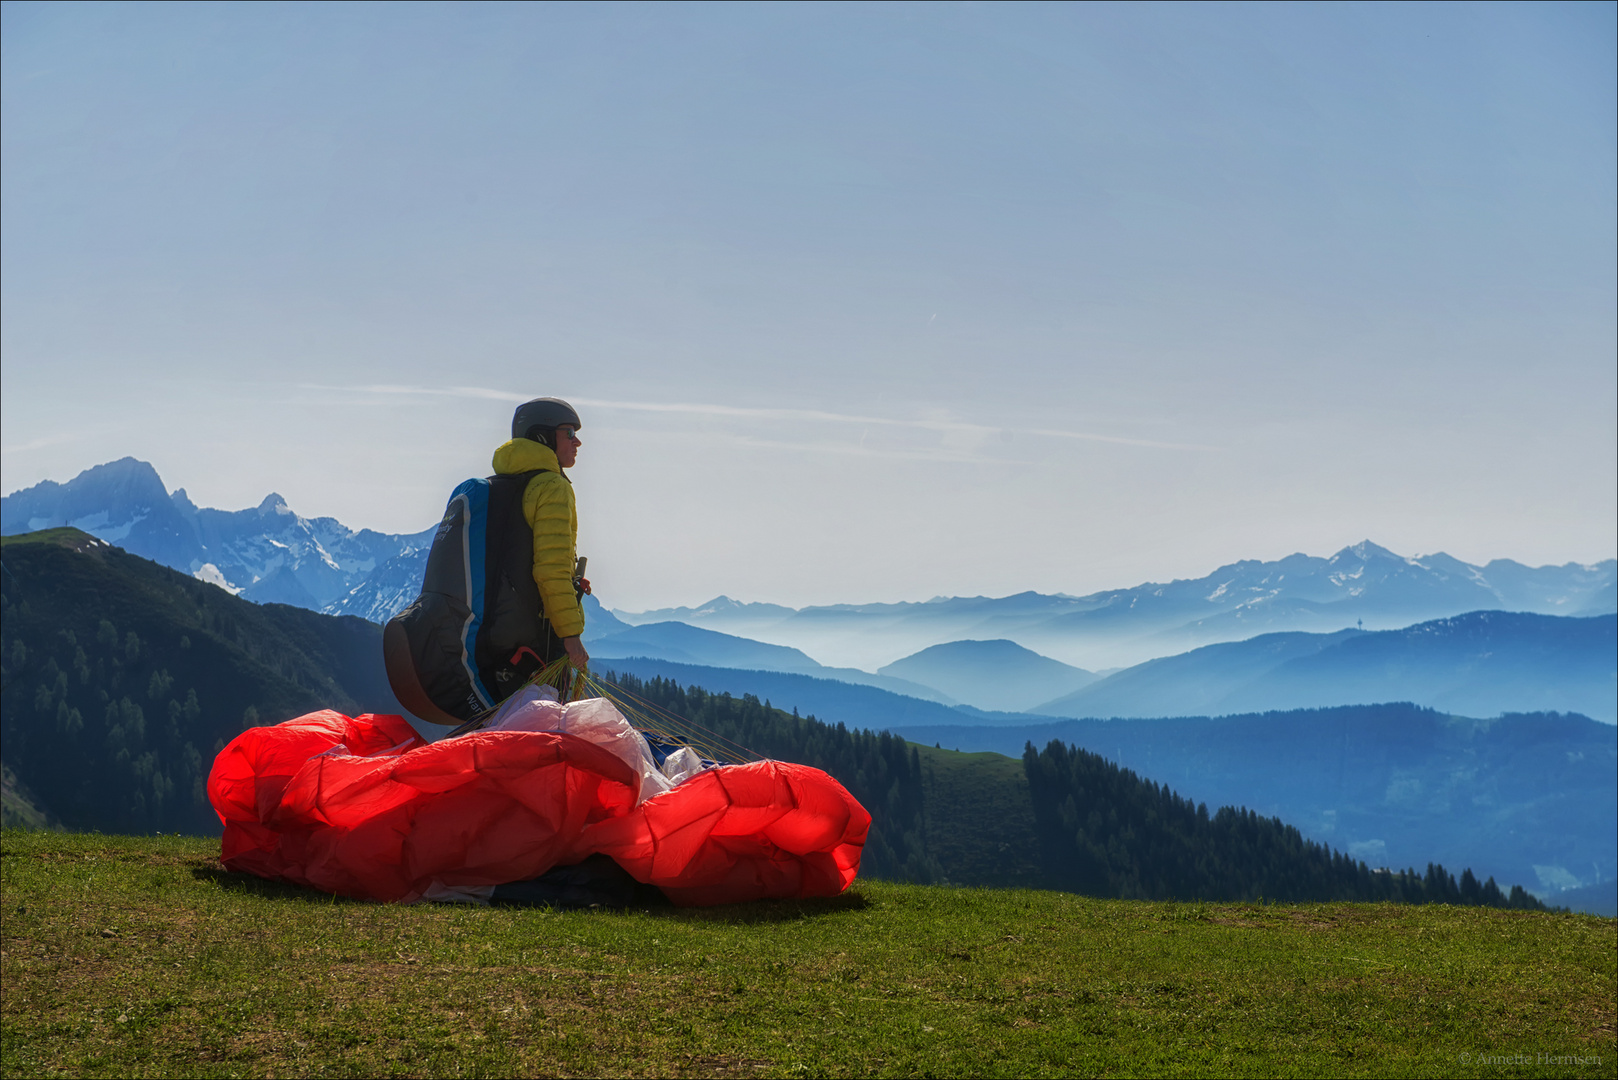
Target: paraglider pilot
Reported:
[(501, 597)]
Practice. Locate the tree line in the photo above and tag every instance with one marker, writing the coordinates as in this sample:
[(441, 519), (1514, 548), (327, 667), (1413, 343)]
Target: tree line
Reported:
[(1108, 832)]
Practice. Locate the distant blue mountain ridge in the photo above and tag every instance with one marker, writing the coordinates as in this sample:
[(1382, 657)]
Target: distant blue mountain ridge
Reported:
[(1363, 586), (833, 700), (1007, 654), (1479, 664), (996, 674), (681, 643)]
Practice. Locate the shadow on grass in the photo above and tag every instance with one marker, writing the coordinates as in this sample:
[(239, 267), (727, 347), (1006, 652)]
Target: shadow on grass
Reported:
[(257, 886), (751, 913), (767, 911)]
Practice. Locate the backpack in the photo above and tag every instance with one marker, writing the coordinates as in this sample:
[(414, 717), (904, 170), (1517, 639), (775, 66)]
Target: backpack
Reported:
[(477, 631)]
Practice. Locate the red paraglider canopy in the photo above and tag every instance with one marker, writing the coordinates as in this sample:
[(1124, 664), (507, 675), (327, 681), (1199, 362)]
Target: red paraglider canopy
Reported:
[(364, 807)]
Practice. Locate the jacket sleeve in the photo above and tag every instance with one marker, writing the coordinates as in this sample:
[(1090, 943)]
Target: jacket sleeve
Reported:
[(548, 506)]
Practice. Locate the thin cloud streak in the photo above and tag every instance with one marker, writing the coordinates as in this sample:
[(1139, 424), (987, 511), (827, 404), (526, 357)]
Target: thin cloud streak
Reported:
[(954, 457), (760, 413), (38, 444)]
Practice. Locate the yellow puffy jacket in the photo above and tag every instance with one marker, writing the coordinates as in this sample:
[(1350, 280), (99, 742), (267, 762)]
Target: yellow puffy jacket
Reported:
[(547, 504)]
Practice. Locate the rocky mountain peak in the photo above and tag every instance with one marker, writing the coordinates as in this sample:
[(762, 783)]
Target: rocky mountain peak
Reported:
[(273, 504)]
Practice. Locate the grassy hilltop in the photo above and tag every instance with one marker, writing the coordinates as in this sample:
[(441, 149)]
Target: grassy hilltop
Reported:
[(135, 957)]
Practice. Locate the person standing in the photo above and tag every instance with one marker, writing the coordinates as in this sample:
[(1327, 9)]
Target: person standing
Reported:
[(502, 594)]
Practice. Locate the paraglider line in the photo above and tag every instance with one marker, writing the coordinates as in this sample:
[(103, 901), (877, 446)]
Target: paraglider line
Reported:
[(642, 713), (648, 714)]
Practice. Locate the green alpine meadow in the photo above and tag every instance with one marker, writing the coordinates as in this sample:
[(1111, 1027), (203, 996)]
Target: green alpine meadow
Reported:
[(142, 957)]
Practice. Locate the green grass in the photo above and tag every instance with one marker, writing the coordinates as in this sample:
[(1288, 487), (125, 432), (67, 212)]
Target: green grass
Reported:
[(140, 956)]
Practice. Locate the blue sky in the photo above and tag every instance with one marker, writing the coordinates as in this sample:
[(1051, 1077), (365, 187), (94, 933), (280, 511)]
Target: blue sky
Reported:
[(859, 302)]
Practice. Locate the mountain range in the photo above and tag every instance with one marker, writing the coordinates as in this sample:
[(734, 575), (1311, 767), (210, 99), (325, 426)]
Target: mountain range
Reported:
[(1299, 631), (1363, 586), (1479, 664), (270, 553), (267, 554)]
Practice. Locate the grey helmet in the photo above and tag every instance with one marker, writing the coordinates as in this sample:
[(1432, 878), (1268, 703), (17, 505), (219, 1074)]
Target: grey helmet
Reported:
[(547, 414)]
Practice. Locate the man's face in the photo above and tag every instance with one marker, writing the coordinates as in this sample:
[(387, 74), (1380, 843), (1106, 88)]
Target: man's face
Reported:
[(567, 446)]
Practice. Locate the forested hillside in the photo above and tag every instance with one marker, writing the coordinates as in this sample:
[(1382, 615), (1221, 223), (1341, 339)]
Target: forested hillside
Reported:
[(1524, 798), (1106, 832), (1095, 829), (120, 679)]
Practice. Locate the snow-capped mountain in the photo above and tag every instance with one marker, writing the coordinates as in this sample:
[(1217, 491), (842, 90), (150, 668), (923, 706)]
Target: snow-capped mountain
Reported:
[(387, 590), (398, 581), (266, 554)]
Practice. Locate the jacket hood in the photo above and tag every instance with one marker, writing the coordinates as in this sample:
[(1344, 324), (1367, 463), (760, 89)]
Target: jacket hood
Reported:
[(524, 455)]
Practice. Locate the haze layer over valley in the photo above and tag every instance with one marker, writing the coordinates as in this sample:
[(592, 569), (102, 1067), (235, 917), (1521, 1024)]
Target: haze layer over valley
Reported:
[(1364, 586)]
